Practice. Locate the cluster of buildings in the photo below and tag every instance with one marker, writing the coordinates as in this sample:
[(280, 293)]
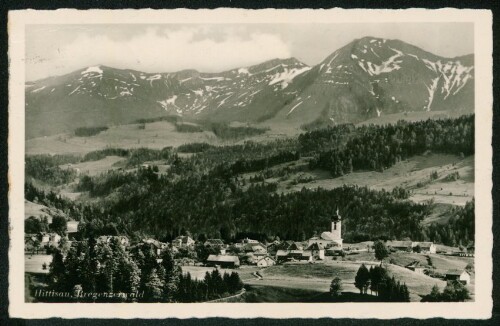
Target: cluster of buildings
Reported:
[(459, 275), (35, 242), (246, 251), (410, 246), (254, 252)]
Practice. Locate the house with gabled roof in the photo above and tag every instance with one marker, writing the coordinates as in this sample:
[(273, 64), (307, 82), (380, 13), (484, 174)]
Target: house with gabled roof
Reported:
[(266, 261), (183, 241), (293, 255), (317, 251), (459, 275), (416, 267), (427, 247)]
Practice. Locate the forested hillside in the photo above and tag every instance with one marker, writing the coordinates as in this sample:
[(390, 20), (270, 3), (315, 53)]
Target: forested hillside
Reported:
[(210, 194)]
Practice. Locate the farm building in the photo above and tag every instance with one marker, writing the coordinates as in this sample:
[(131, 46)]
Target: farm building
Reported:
[(214, 243), (458, 275), (72, 227), (266, 262), (183, 241), (288, 255), (256, 248), (401, 245), (224, 261), (157, 245), (273, 248), (247, 240), (332, 238), (49, 239), (416, 267), (124, 241), (426, 247), (317, 251)]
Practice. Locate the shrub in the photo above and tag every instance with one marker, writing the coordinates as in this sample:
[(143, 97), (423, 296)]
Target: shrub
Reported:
[(89, 131)]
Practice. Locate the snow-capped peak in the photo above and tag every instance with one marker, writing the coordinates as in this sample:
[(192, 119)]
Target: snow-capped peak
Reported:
[(243, 71), (96, 69)]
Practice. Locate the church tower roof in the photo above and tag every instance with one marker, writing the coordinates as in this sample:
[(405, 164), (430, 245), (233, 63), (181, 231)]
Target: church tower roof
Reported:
[(336, 216)]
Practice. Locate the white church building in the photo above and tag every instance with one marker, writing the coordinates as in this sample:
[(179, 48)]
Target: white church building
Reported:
[(330, 239)]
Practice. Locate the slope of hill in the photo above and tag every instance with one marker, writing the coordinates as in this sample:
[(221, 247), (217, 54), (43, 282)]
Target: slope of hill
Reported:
[(367, 78), (412, 174)]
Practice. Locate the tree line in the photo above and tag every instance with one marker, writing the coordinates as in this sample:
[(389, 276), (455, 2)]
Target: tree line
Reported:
[(89, 131), (380, 147), (96, 266), (378, 280)]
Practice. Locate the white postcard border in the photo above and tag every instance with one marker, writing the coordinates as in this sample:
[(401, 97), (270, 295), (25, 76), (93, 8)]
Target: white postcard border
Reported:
[(479, 309)]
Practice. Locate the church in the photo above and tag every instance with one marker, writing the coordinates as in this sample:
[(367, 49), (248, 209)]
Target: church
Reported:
[(331, 239)]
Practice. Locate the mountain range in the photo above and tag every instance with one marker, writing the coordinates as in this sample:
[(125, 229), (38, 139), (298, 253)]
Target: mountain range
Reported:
[(365, 79)]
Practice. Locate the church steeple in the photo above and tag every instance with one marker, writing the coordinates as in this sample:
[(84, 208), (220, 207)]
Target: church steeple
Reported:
[(336, 225)]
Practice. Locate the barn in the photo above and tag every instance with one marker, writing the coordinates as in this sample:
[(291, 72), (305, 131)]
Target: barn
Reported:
[(458, 275), (224, 261)]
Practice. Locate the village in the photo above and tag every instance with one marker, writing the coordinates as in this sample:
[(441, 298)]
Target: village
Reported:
[(258, 261)]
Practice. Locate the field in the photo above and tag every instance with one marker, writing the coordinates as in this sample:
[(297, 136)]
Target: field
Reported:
[(411, 174), (154, 135), (36, 210), (310, 280), (34, 263), (317, 277), (198, 272), (92, 168)]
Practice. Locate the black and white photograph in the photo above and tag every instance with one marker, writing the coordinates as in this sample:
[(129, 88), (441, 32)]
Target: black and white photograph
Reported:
[(310, 158)]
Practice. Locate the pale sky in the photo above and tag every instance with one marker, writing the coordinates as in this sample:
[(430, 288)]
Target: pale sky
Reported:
[(59, 49)]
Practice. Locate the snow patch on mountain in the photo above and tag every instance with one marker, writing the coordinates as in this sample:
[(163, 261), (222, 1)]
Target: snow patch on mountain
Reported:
[(243, 71), (199, 92), (75, 89), (38, 89), (125, 92), (287, 76), (169, 102), (155, 77), (95, 69), (296, 105), (387, 66), (214, 78), (432, 90)]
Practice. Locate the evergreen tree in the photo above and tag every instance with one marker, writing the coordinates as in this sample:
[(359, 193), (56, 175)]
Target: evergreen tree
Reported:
[(153, 287), (378, 275), (361, 281), (381, 251), (336, 287), (57, 271)]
